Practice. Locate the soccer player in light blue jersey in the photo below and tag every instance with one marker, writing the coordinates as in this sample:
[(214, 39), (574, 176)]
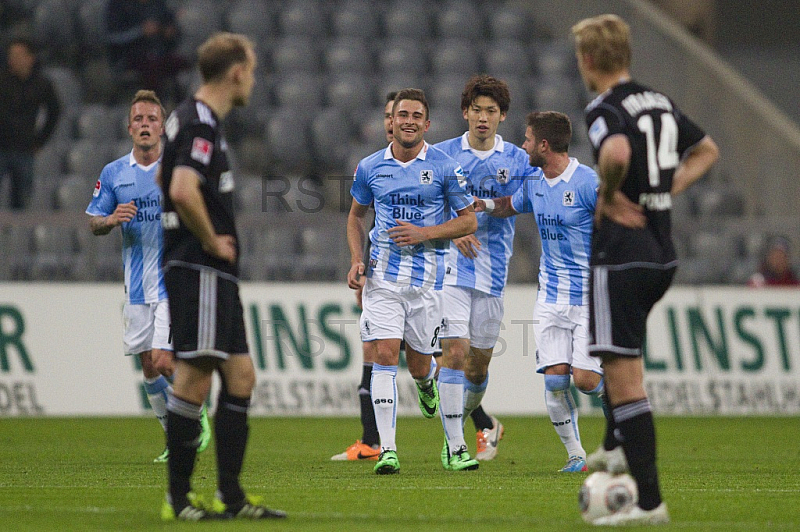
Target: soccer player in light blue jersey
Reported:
[(410, 184), (477, 265), (563, 204), (127, 195)]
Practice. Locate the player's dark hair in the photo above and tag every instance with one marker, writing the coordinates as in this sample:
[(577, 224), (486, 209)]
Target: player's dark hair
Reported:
[(220, 52), (552, 126), (418, 95), (390, 97), (149, 97), (484, 85)]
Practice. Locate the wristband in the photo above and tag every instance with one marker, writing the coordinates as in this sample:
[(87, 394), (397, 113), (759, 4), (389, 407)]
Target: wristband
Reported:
[(488, 206)]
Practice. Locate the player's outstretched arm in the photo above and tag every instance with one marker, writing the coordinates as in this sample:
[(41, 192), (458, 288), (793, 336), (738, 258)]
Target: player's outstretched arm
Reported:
[(356, 236), (497, 207), (694, 166)]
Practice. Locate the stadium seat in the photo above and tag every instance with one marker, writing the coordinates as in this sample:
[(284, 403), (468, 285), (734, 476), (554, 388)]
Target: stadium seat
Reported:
[(287, 141), (253, 18), (556, 94), (507, 55), (49, 161), (299, 91), (555, 57), (97, 122), (349, 92), (54, 253), (329, 130), (197, 20), (70, 95), (17, 248), (446, 124), (74, 193), (456, 56), (510, 22), (87, 157), (44, 192), (402, 55), (459, 20), (356, 18), (251, 155), (303, 17), (249, 193), (444, 94), (107, 257), (323, 248), (295, 53), (348, 56), (409, 19)]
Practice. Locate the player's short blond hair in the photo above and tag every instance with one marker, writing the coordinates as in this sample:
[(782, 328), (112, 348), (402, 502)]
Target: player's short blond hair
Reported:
[(148, 97), (220, 52), (606, 39)]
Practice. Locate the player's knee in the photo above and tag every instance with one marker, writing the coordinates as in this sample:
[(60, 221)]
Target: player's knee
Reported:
[(556, 383), (588, 382), (475, 375)]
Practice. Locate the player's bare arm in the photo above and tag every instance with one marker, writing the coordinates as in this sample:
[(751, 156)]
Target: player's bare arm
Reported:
[(502, 207), (356, 236), (694, 166), (408, 234), (612, 164), (184, 190), (102, 225)]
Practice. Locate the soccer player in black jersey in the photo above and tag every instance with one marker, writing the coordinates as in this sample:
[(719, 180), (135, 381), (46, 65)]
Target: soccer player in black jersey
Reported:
[(201, 275), (647, 151)]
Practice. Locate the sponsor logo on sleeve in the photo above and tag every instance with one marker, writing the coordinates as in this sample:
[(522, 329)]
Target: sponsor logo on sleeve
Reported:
[(96, 191), (201, 150), (598, 131)]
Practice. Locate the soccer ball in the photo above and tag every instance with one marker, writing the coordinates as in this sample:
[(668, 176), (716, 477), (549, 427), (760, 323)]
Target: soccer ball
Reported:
[(605, 494)]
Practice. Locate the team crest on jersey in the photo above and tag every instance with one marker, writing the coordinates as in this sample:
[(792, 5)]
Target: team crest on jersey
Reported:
[(201, 150), (426, 177), (569, 198), (502, 175), (226, 182), (96, 191)]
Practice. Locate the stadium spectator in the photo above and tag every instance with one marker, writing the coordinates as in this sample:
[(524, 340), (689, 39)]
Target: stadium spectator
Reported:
[(646, 151), (25, 92), (126, 195), (142, 40), (409, 182), (564, 205), (776, 267), (201, 273), (477, 267)]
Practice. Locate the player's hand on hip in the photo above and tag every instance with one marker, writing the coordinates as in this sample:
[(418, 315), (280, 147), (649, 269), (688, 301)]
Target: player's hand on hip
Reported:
[(620, 210), (124, 212), (468, 246), (356, 279), (407, 234), (222, 247)]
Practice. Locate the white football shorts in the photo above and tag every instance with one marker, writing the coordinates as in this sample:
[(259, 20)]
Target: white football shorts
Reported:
[(146, 327), (410, 313), (562, 336), (472, 314)]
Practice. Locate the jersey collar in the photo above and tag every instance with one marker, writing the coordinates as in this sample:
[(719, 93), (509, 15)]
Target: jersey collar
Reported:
[(132, 162), (566, 175), (499, 144), (387, 154)]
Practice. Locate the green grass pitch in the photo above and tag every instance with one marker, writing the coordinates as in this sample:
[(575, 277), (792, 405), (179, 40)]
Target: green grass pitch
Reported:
[(66, 474)]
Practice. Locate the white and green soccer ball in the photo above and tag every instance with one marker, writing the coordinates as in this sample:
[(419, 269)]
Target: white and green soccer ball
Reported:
[(605, 494)]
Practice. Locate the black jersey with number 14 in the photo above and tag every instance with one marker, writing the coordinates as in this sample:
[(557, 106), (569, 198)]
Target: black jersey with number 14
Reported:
[(659, 136), (194, 140)]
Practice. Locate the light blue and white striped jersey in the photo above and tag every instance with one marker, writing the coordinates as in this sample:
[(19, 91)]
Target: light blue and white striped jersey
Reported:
[(123, 181), (493, 174), (416, 192), (564, 211)]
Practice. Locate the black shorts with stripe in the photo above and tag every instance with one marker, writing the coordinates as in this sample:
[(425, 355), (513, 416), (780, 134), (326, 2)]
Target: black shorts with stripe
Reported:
[(621, 297), (206, 312)]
